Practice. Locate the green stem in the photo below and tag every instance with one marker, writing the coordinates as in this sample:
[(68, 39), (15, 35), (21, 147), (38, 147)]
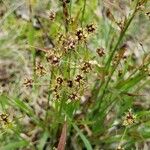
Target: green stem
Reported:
[(83, 12), (124, 133)]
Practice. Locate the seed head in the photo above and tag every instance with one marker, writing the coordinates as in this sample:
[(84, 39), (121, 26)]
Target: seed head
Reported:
[(52, 15), (80, 35), (59, 80), (148, 14), (100, 52), (120, 73), (129, 118), (53, 59), (78, 78), (28, 82), (69, 43), (90, 28), (4, 118), (71, 20), (70, 83), (56, 96), (40, 69), (55, 89), (73, 96), (86, 67)]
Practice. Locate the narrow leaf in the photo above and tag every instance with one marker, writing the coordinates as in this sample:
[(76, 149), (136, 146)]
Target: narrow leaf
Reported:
[(62, 140), (84, 139)]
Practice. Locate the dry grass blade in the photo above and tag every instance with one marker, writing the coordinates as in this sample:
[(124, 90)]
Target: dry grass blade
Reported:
[(63, 137)]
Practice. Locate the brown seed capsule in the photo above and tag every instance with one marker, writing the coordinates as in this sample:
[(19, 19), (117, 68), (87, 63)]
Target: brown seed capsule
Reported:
[(28, 82), (4, 118), (52, 15), (59, 80), (73, 96), (40, 70), (90, 28), (80, 35), (56, 96), (71, 20), (100, 51), (148, 14), (120, 73), (78, 78), (53, 59), (70, 83), (129, 118), (86, 67), (110, 15), (55, 89), (69, 43), (124, 57)]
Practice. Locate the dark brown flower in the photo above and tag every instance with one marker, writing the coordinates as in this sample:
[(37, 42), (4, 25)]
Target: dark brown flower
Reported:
[(40, 69), (78, 78), (100, 51), (55, 89), (73, 96), (129, 118), (59, 80), (52, 15), (53, 59), (70, 83), (86, 67), (28, 82), (80, 35), (69, 43), (120, 73), (4, 118), (90, 28)]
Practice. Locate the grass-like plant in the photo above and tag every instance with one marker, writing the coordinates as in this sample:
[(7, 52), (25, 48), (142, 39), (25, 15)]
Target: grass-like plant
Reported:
[(72, 78)]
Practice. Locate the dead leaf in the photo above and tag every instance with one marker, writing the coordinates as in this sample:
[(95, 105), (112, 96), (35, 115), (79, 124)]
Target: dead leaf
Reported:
[(62, 140)]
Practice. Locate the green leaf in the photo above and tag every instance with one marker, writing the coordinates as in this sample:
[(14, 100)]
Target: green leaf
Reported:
[(129, 83), (15, 145), (84, 139), (43, 141), (20, 104)]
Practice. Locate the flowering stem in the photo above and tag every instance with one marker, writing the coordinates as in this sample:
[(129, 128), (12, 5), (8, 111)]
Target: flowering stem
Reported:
[(124, 133), (65, 14)]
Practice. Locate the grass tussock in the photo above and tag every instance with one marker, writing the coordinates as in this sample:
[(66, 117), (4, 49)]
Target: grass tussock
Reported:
[(74, 75)]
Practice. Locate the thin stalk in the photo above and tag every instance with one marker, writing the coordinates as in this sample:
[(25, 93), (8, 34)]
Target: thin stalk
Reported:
[(31, 41), (124, 133), (65, 14), (83, 12), (49, 92)]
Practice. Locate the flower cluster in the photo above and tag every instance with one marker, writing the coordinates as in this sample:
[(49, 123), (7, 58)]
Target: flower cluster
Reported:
[(40, 69), (52, 15), (91, 28), (100, 52), (129, 118), (86, 67), (4, 120), (53, 59), (80, 34), (69, 43), (28, 82)]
